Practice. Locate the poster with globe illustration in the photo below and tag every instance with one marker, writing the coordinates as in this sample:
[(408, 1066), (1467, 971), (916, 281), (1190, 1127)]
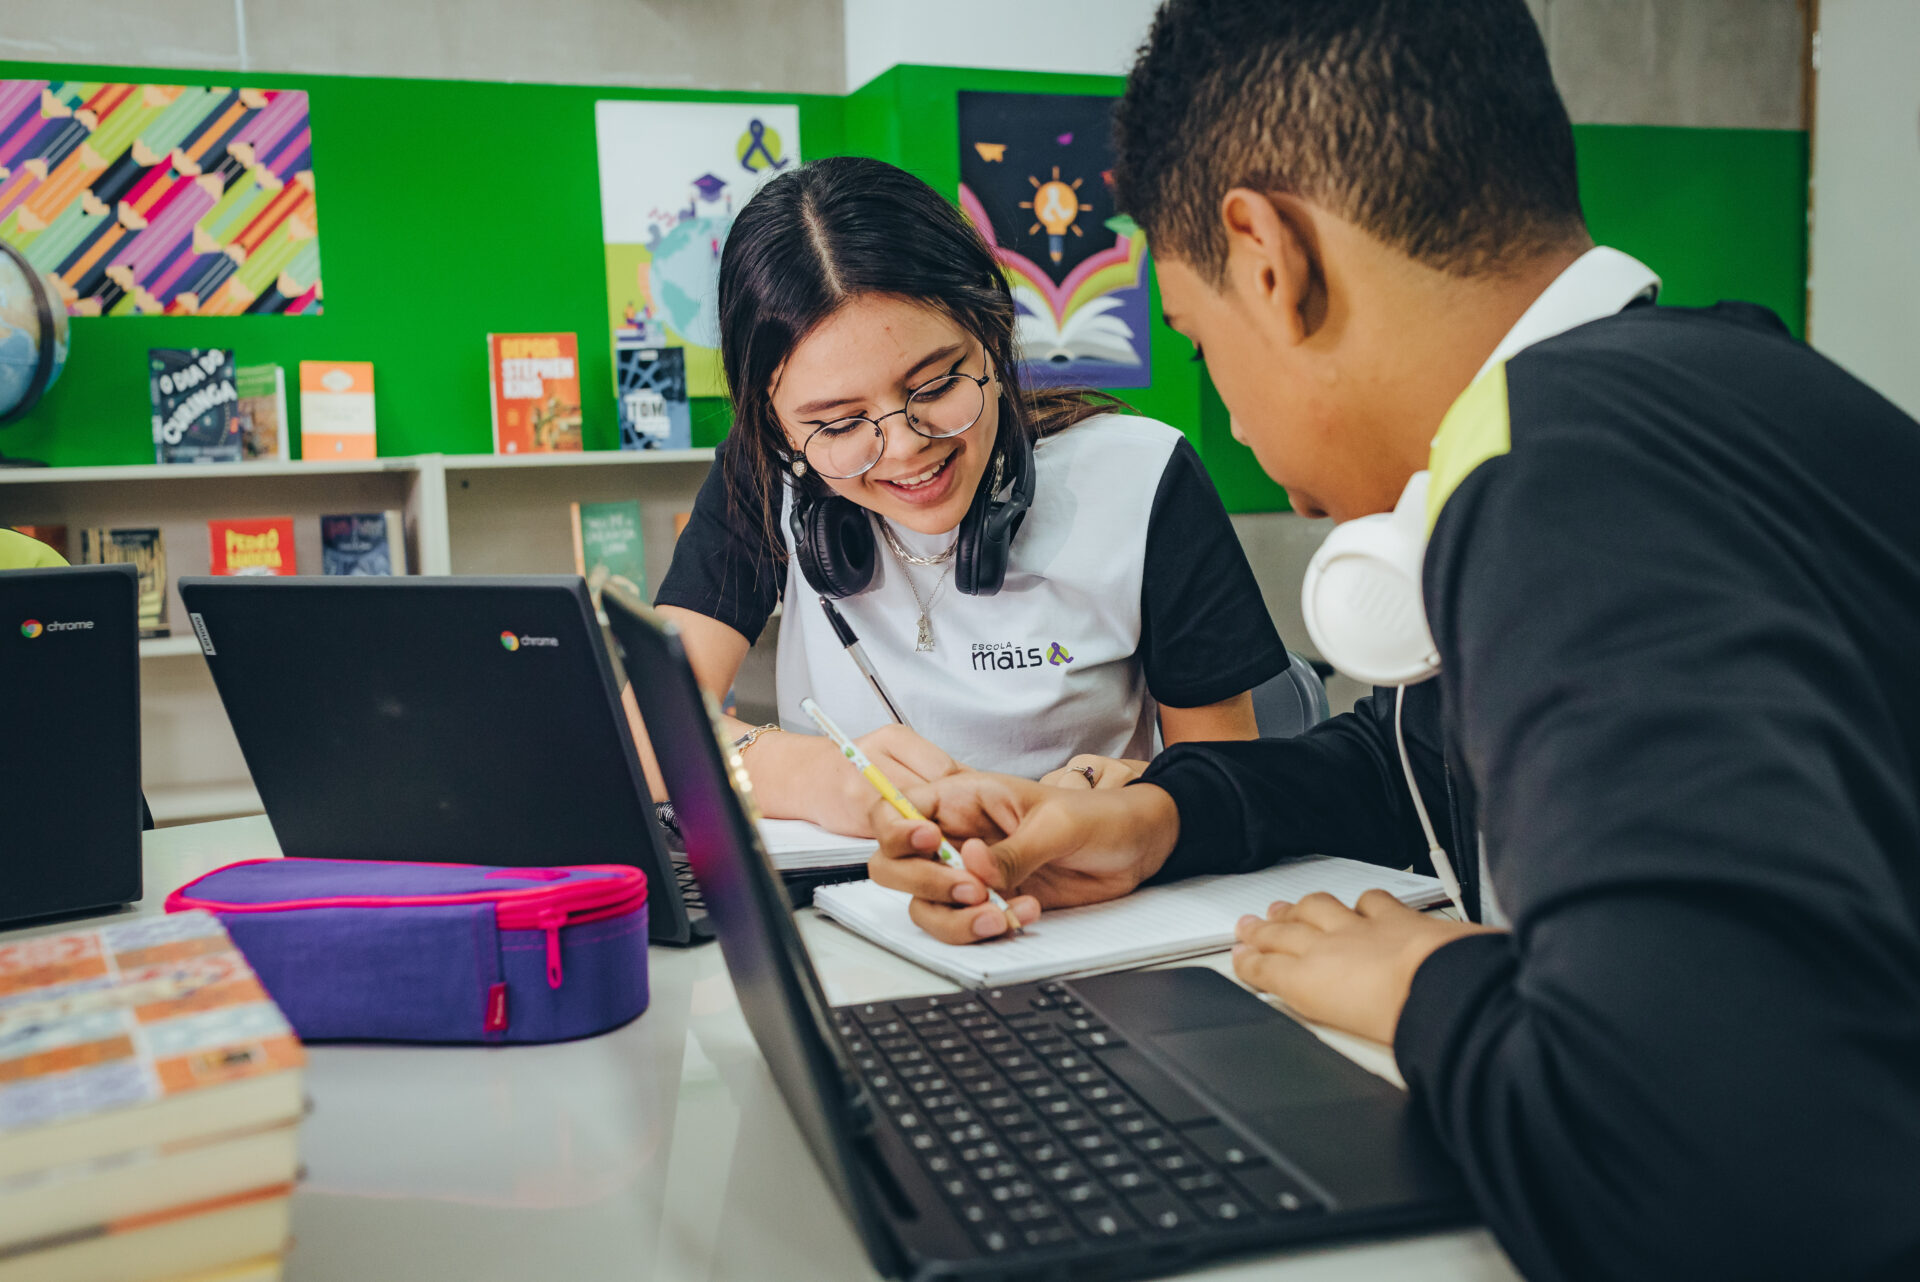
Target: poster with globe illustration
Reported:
[(672, 177), (1034, 180)]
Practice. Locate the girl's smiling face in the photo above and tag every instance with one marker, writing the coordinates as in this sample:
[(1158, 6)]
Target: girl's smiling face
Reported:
[(864, 360)]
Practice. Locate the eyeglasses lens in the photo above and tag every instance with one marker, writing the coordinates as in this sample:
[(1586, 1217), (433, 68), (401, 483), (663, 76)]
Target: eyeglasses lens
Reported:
[(946, 406), (848, 447)]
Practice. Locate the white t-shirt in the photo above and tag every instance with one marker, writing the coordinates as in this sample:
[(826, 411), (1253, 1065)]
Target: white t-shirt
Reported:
[(1125, 588)]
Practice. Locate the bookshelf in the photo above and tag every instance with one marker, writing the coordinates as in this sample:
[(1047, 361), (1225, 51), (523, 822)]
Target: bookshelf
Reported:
[(464, 514)]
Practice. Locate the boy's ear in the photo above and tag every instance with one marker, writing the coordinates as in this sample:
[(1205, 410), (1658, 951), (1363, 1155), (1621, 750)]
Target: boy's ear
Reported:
[(1273, 261)]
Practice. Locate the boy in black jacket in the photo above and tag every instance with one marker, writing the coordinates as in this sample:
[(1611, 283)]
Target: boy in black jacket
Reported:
[(1673, 578)]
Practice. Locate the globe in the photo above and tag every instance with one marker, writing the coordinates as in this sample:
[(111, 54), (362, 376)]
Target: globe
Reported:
[(686, 263), (22, 292)]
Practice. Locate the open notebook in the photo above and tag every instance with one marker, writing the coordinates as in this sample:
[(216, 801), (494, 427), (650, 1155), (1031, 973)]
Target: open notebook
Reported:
[(1158, 924), (799, 846)]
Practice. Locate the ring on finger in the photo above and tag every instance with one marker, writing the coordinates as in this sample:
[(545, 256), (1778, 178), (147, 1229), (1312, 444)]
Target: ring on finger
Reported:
[(1086, 772)]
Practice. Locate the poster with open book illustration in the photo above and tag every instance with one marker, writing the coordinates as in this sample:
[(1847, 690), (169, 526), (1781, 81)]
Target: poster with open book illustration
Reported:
[(1034, 171)]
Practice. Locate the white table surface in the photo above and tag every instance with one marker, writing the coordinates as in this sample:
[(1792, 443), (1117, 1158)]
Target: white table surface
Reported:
[(659, 1151)]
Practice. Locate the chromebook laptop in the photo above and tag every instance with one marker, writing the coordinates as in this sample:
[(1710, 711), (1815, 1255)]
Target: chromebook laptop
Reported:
[(70, 703), (1117, 1126), (447, 720)]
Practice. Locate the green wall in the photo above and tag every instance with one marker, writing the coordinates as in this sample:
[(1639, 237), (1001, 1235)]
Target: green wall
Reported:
[(449, 209)]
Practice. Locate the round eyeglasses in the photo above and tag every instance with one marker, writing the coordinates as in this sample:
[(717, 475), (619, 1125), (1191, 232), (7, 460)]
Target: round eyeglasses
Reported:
[(943, 407)]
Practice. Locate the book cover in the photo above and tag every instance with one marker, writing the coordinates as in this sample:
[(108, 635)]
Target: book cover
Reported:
[(336, 410), (607, 547), (652, 384), (366, 543), (193, 396), (262, 411), (54, 536), (146, 551), (535, 384), (254, 545), (121, 1020)]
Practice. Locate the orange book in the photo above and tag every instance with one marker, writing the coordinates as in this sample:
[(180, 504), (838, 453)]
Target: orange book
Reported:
[(336, 410), (535, 385), (260, 545)]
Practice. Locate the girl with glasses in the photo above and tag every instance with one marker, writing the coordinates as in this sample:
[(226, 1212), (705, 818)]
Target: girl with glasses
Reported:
[(1046, 585)]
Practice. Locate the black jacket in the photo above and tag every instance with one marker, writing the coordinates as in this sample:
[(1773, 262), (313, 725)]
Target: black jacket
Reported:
[(1679, 618)]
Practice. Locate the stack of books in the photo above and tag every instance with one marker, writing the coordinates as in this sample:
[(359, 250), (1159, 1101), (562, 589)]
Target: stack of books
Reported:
[(150, 1100)]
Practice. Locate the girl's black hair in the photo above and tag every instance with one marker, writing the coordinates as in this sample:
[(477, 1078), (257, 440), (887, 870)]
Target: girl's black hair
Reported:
[(814, 239)]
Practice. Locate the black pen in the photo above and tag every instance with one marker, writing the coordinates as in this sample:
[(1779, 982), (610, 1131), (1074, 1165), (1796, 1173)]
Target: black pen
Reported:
[(844, 631)]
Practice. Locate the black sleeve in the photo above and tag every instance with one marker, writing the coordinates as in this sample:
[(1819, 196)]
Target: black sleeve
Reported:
[(1205, 634), (725, 565), (1336, 790), (1698, 1053)]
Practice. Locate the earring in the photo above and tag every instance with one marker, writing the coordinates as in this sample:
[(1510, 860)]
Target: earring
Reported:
[(799, 467)]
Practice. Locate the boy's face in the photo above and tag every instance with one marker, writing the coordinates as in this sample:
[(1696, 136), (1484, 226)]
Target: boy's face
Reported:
[(1289, 402)]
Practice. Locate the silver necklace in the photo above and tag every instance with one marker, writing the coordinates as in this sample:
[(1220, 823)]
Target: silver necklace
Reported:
[(923, 639), (899, 550)]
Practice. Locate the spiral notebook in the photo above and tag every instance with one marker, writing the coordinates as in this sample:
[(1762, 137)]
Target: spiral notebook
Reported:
[(799, 846), (1158, 924)]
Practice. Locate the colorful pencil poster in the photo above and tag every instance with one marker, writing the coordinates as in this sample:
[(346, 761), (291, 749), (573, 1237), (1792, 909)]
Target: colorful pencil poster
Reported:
[(178, 200), (1034, 179), (672, 177)]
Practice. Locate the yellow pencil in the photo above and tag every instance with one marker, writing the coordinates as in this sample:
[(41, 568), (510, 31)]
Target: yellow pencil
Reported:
[(895, 798)]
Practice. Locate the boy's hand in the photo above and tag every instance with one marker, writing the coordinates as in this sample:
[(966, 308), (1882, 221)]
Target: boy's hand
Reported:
[(1041, 847), (1349, 968)]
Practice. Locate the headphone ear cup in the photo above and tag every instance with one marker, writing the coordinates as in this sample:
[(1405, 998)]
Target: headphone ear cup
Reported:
[(986, 534), (833, 538), (1361, 595)]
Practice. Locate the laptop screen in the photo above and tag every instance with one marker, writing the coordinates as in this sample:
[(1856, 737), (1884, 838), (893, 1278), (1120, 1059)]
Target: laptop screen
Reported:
[(779, 991), (458, 720), (70, 702)]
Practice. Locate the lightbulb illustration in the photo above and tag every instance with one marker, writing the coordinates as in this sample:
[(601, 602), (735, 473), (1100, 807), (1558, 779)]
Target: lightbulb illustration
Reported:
[(1056, 204)]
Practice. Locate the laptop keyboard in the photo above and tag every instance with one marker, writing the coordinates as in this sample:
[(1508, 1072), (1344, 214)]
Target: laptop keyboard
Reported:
[(1042, 1127)]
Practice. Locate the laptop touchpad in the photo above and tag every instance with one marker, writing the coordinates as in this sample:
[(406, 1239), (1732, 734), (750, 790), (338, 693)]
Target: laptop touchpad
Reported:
[(1251, 1068)]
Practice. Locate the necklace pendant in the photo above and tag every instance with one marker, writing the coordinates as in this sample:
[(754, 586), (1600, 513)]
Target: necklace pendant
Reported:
[(924, 642)]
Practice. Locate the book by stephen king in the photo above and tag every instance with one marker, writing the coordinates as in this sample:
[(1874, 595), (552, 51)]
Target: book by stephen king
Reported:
[(535, 385)]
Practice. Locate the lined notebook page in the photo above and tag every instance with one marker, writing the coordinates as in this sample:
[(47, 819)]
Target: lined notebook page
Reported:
[(797, 845), (1161, 923)]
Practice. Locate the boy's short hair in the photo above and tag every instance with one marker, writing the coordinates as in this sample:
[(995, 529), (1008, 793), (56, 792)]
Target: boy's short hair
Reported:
[(1434, 125)]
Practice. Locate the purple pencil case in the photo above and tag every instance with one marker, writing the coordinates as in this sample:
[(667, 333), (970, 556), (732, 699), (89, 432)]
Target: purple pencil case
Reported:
[(361, 950)]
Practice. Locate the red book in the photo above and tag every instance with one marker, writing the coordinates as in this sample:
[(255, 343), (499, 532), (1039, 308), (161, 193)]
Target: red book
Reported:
[(535, 381), (262, 545)]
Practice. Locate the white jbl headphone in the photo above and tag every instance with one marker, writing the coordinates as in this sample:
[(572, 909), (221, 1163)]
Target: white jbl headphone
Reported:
[(1366, 613), (1362, 595)]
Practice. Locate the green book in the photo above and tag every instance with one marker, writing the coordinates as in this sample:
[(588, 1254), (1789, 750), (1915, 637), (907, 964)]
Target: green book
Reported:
[(608, 548)]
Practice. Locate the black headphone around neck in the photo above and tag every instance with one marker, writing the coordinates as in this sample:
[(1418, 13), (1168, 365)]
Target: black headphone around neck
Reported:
[(833, 536)]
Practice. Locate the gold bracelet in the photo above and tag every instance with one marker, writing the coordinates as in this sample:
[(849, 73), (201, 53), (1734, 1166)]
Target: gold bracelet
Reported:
[(746, 740)]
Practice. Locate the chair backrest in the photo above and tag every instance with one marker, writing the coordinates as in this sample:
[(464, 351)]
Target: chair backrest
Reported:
[(1290, 702)]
